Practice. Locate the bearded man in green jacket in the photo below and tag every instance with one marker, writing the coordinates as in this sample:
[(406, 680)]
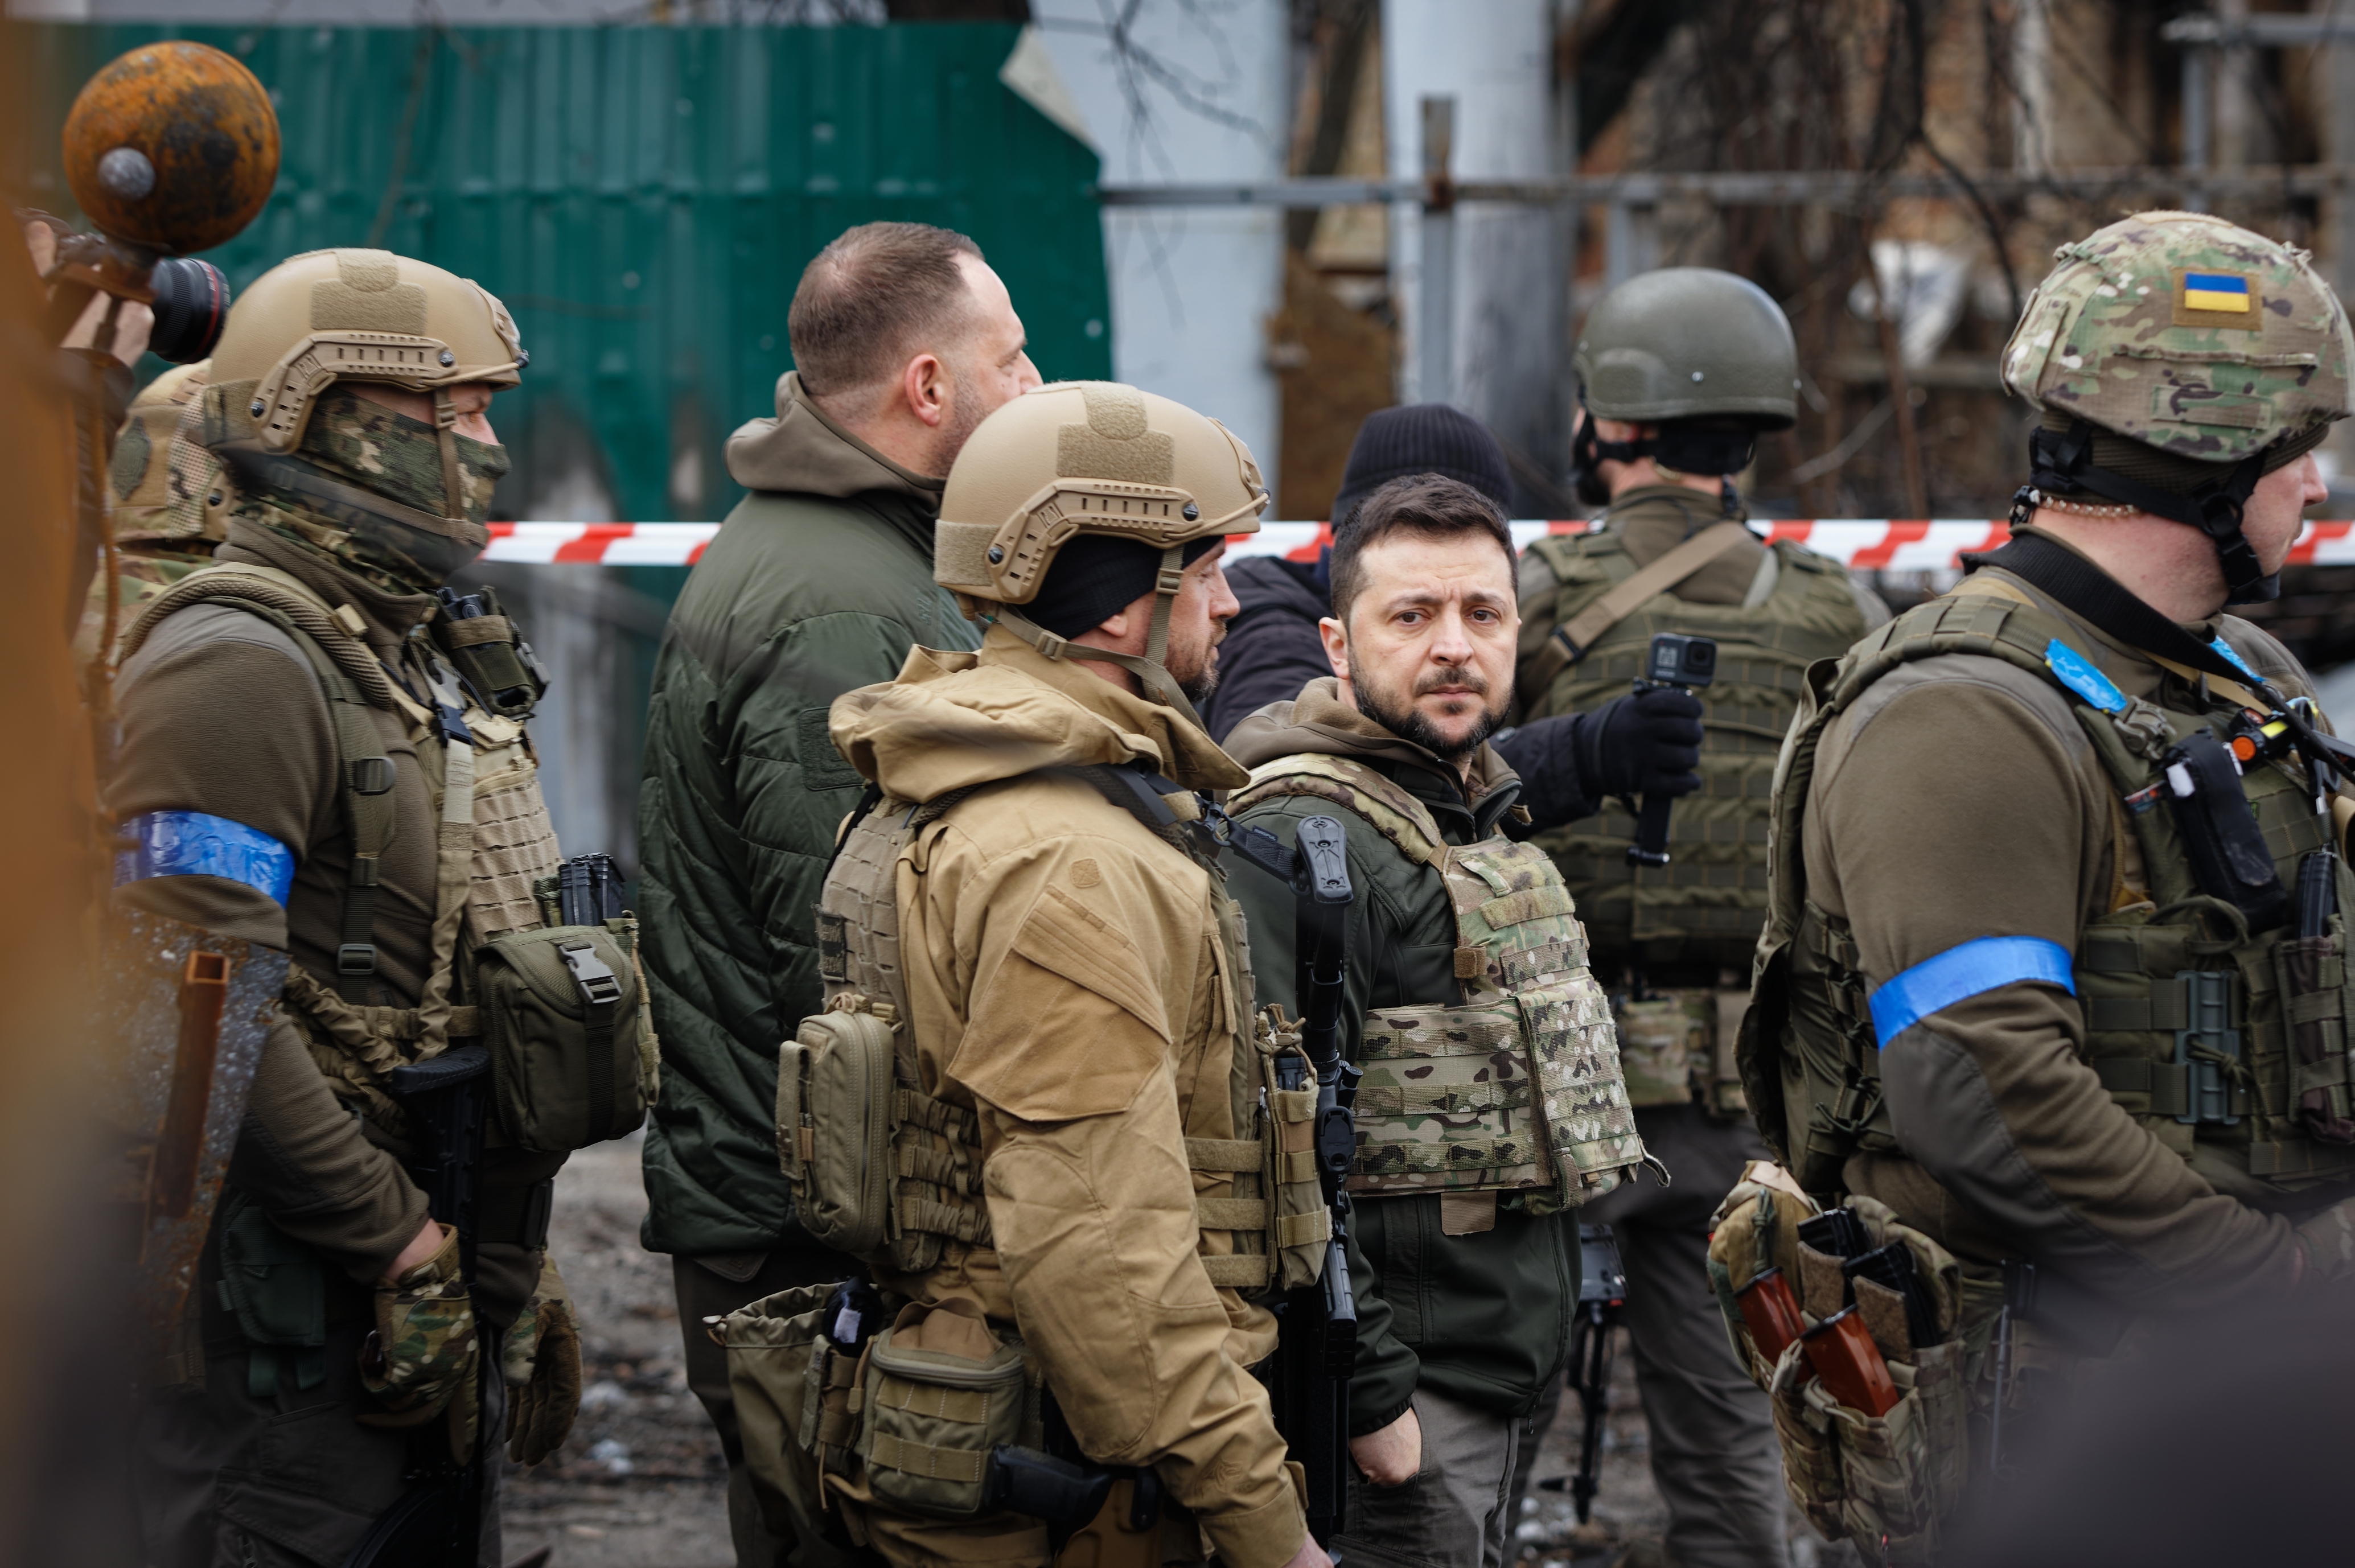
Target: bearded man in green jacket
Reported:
[(1492, 1104), (820, 582)]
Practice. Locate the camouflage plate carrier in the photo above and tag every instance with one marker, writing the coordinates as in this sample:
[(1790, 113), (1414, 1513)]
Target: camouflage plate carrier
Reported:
[(1515, 1088), (2229, 1047)]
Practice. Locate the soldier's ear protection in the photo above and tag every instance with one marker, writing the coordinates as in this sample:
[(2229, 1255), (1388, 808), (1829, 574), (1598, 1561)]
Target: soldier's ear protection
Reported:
[(1712, 447)]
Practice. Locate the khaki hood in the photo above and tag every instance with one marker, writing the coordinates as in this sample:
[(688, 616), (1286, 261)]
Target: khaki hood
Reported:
[(954, 720), (1318, 723), (805, 452)]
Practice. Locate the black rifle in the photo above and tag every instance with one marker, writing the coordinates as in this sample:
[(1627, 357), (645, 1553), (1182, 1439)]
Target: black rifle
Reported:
[(438, 1521), (1602, 1296), (1320, 1346), (1675, 662)]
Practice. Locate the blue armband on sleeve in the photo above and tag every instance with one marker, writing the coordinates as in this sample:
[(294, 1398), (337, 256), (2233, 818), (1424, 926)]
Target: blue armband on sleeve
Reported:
[(1963, 972), (195, 844)]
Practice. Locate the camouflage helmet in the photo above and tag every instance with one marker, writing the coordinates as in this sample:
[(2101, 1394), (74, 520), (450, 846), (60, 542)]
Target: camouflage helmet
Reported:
[(327, 316), (1705, 355), (2175, 359), (1088, 458), (146, 453)]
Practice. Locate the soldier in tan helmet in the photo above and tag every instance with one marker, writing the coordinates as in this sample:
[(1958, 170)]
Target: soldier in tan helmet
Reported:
[(321, 754), (1026, 931)]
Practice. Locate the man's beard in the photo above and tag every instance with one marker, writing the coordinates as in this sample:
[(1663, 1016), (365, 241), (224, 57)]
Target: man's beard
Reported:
[(1199, 684), (1409, 723)]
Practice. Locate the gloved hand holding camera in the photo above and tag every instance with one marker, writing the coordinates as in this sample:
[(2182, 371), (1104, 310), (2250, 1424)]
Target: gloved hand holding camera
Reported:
[(1645, 743)]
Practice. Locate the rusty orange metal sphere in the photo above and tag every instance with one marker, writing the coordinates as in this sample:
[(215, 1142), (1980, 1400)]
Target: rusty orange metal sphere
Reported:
[(173, 146)]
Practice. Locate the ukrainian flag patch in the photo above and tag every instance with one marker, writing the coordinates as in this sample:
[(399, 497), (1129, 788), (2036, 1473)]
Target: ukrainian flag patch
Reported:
[(2218, 291)]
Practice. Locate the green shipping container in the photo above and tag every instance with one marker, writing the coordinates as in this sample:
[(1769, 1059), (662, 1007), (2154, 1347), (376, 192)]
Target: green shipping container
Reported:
[(644, 200)]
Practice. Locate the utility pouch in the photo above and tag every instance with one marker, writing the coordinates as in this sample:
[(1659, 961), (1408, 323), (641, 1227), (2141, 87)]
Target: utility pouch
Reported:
[(772, 1346), (2221, 836), (2312, 974), (489, 655), (568, 1036), (940, 1391), (1811, 1467), (276, 1288), (833, 1127), (1901, 1473), (1755, 1232), (1304, 1224)]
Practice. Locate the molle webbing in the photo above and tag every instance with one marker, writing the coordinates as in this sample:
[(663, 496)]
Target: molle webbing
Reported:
[(936, 1146), (1705, 908)]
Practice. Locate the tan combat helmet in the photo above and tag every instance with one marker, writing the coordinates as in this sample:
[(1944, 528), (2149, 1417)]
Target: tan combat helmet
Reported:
[(353, 316), (2177, 359), (1089, 457)]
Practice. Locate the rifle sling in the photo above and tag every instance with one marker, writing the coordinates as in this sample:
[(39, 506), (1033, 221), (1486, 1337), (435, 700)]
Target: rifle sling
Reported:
[(1583, 631)]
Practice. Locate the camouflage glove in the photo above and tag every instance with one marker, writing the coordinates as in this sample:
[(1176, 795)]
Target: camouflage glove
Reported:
[(2329, 1241), (541, 1365), (424, 1360)]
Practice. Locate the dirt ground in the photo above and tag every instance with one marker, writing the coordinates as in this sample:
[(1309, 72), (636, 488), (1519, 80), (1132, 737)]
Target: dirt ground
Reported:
[(640, 1483)]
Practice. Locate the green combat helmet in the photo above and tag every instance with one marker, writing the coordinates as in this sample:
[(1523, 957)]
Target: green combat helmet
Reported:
[(2177, 359), (1706, 356)]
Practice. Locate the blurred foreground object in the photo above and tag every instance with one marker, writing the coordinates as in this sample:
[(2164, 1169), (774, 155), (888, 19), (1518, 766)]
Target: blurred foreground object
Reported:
[(59, 1432), (171, 148)]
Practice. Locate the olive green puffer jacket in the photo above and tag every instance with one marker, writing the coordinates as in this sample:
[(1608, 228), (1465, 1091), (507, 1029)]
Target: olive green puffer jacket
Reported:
[(818, 584)]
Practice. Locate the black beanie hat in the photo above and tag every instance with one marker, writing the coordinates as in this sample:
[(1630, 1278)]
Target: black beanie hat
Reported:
[(1423, 438), (1094, 577)]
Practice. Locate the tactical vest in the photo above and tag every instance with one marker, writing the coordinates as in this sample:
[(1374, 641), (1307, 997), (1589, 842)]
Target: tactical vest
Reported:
[(561, 1008), (2229, 1047), (892, 1175), (1708, 903), (1515, 1087)]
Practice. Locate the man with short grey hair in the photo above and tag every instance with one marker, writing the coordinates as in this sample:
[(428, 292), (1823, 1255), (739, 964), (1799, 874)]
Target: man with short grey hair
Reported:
[(903, 340)]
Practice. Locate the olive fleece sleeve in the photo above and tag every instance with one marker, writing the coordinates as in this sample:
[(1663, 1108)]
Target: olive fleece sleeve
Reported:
[(1960, 800), (300, 1156)]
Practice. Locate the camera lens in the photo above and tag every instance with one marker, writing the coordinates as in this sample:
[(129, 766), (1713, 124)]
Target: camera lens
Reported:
[(1701, 657), (191, 304)]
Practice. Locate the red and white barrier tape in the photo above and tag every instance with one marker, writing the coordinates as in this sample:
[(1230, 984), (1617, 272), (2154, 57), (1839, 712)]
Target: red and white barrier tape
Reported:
[(1864, 544)]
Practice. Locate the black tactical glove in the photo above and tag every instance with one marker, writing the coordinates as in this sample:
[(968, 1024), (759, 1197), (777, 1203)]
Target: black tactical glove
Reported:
[(1648, 742)]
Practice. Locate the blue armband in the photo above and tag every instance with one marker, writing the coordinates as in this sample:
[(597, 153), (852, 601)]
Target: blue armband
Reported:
[(194, 844), (1963, 972)]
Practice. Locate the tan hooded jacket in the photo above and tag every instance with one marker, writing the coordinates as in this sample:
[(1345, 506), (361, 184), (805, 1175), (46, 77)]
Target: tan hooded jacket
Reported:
[(1067, 977)]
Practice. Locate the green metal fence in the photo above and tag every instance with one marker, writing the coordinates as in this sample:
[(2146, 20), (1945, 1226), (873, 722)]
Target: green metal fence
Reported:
[(644, 199)]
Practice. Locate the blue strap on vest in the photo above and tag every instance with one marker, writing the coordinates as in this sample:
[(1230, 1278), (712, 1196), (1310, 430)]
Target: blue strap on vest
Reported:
[(1964, 972), (195, 844)]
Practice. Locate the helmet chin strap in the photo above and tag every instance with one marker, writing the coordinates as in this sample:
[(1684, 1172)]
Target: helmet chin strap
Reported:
[(446, 430), (2064, 460), (1159, 684)]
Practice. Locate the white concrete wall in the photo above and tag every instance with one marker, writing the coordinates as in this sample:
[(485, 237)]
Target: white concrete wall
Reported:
[(1192, 287), (1495, 57)]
